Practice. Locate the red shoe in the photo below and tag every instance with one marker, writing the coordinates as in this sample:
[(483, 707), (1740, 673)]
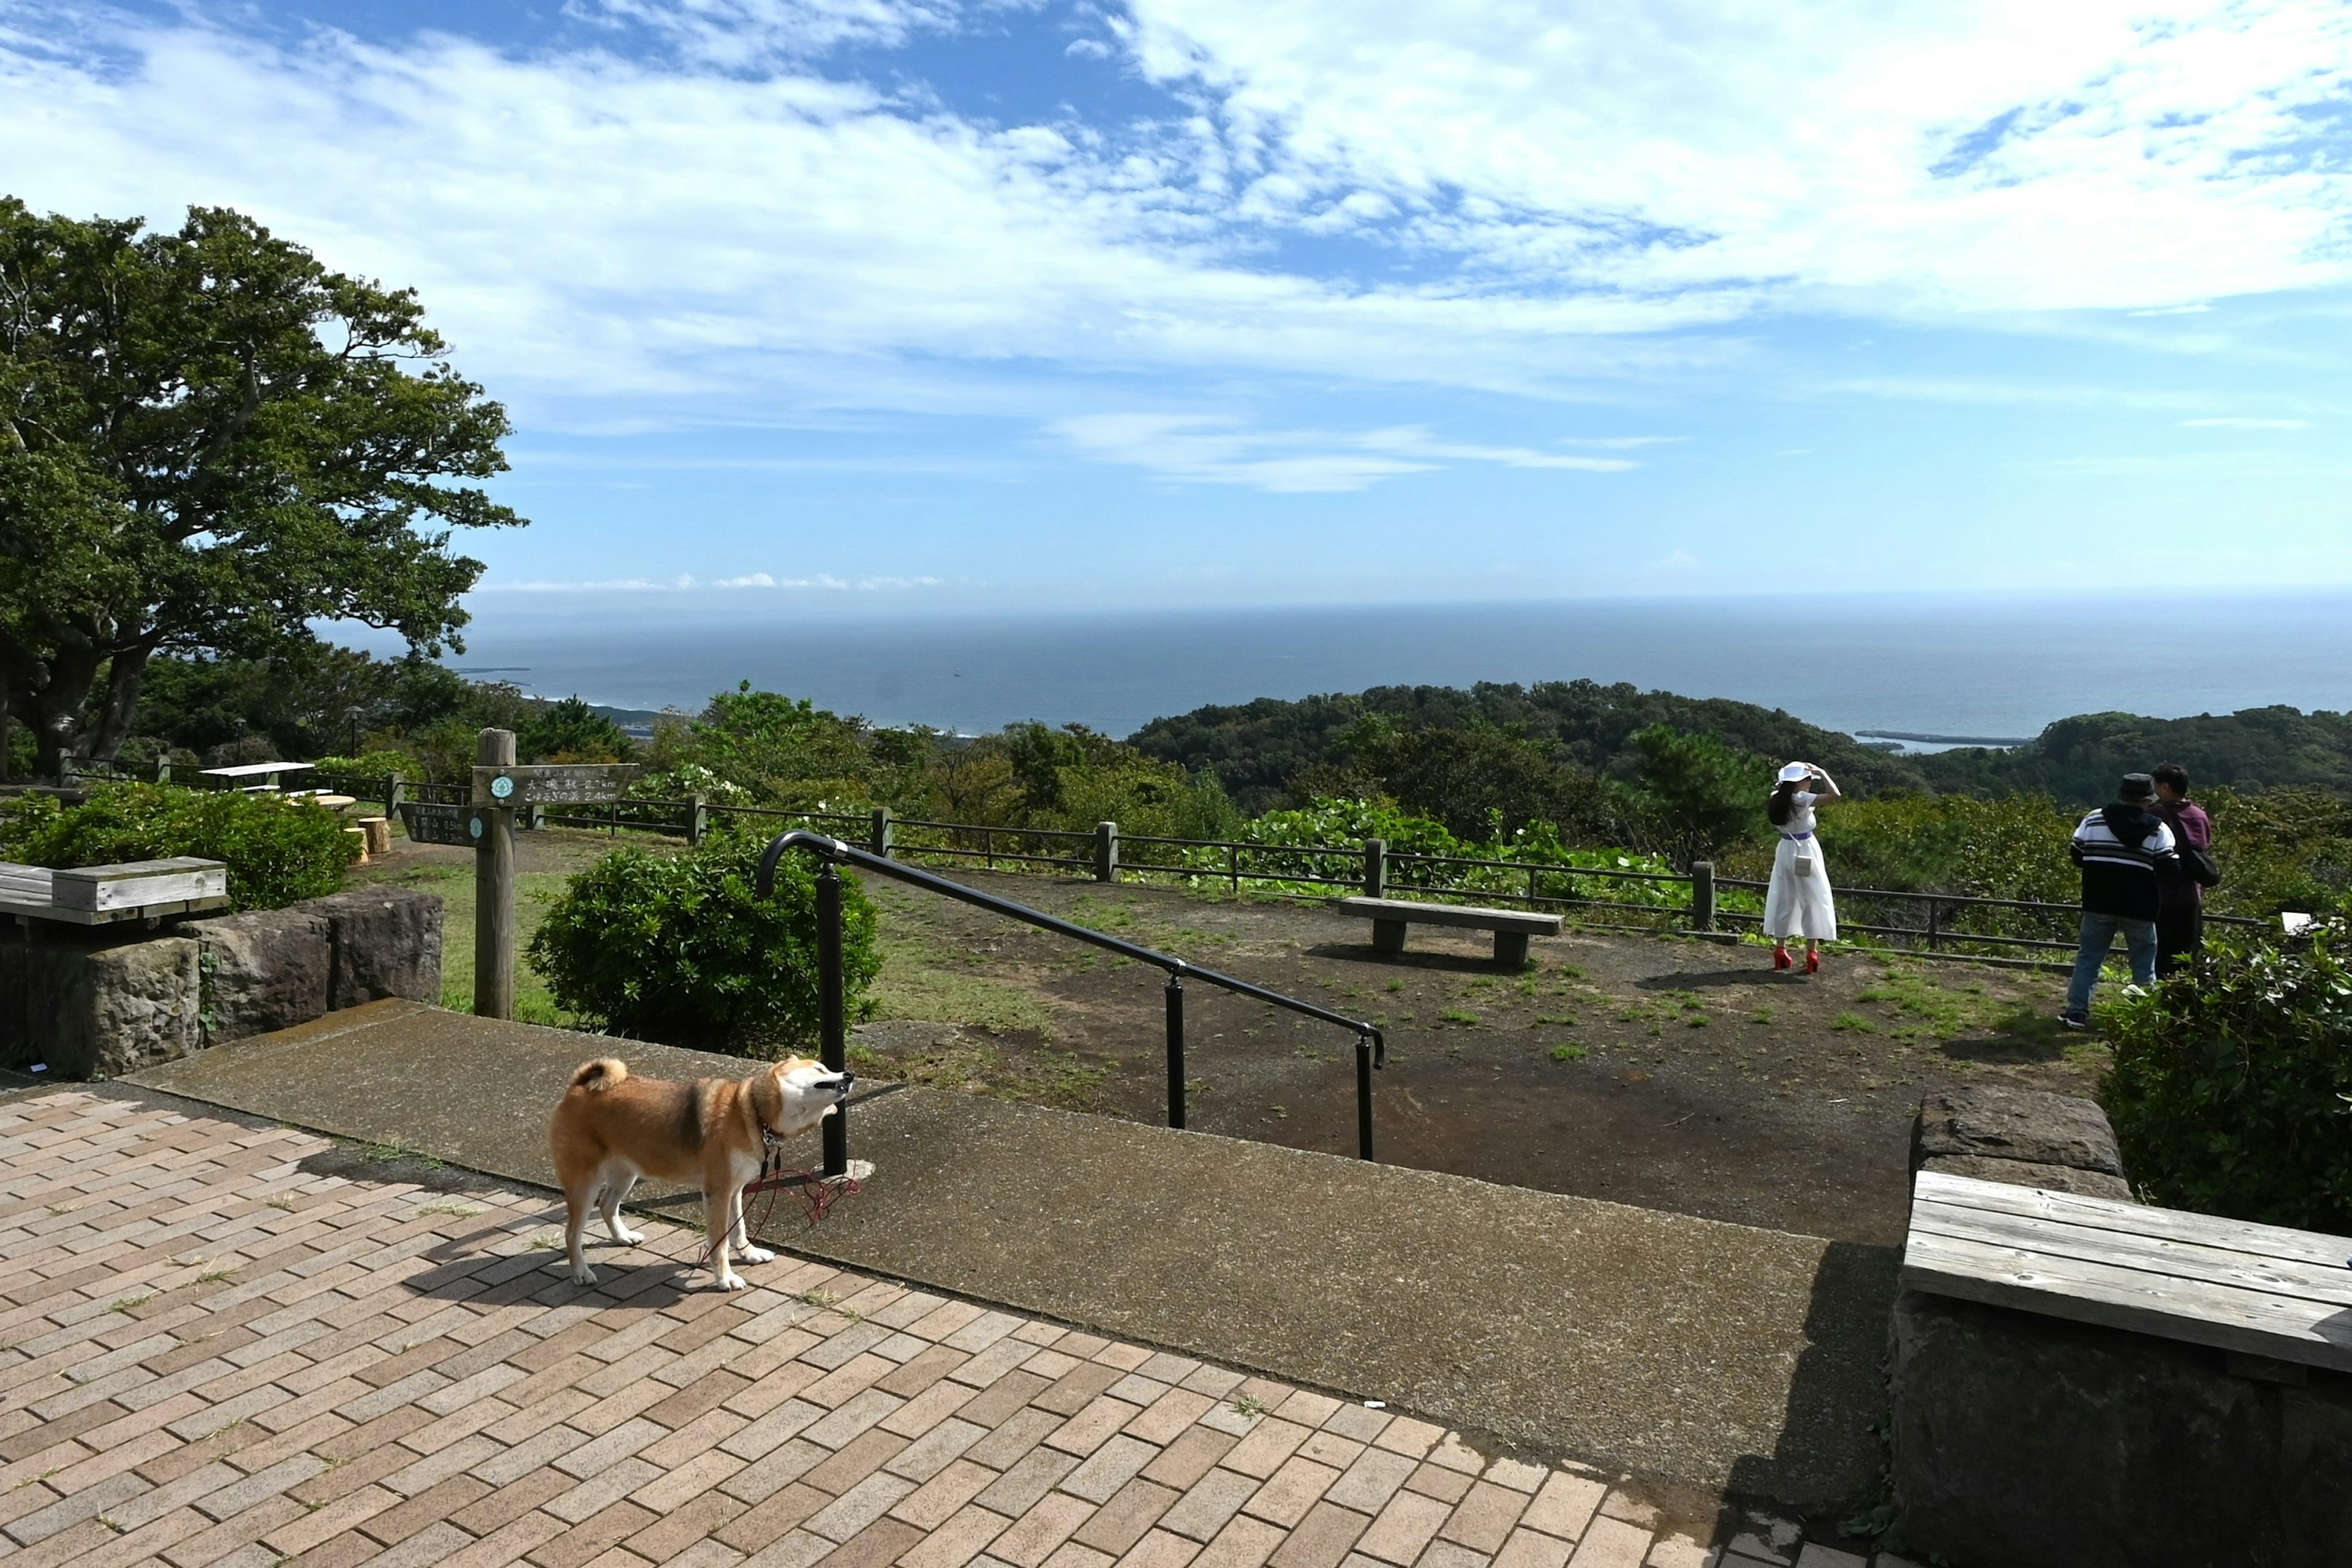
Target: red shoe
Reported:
[(1813, 961), (1780, 959)]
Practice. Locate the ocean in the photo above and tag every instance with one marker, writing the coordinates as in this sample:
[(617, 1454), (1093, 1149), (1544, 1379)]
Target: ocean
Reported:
[(1925, 665)]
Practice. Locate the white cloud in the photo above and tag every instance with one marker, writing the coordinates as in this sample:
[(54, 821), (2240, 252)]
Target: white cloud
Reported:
[(1980, 154), (1583, 188), (2234, 422), (1201, 448)]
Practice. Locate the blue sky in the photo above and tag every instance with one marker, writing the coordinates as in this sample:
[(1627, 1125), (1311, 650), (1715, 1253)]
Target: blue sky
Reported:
[(811, 305)]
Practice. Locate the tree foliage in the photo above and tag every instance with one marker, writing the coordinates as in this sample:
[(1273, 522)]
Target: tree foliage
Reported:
[(1258, 748), (570, 731), (2232, 1088), (681, 948), (278, 851), (208, 441), (2078, 760)]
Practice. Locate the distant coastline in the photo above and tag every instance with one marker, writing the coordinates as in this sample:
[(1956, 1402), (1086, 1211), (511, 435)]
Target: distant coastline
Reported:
[(1983, 669), (1868, 734)]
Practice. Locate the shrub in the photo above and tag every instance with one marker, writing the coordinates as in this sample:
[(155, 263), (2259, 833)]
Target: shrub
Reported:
[(681, 948), (278, 851), (2232, 1088)]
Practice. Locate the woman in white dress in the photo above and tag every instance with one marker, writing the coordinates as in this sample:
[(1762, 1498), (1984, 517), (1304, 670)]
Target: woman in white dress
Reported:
[(1798, 902)]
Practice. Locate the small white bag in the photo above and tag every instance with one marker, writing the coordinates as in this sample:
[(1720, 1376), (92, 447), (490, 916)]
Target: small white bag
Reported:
[(1804, 864)]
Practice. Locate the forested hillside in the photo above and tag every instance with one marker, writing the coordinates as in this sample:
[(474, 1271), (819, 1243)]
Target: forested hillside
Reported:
[(1261, 750), (2078, 760), (1257, 748)]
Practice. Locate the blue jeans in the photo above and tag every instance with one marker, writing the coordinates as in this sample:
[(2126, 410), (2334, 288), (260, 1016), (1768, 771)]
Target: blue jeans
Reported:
[(2098, 936)]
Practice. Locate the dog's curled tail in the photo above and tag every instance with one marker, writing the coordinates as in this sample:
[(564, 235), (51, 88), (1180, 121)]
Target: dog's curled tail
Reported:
[(599, 1076)]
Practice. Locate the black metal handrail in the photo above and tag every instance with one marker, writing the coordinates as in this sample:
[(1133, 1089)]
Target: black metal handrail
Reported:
[(1372, 1046)]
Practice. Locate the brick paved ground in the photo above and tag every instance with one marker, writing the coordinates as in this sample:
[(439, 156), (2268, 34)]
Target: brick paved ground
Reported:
[(210, 1356)]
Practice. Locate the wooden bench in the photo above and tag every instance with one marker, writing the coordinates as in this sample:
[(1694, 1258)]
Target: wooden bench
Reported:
[(102, 895), (1390, 917), (2256, 1289)]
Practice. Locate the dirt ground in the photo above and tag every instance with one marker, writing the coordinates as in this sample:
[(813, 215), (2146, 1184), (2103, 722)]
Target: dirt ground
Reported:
[(1670, 1073)]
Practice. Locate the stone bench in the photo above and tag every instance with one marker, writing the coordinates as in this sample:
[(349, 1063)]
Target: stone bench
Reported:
[(2094, 1382), (1390, 917)]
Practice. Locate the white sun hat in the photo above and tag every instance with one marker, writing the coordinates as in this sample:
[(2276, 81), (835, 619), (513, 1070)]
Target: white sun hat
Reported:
[(1795, 771)]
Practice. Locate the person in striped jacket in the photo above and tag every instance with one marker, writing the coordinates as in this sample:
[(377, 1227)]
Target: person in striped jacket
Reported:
[(2119, 849)]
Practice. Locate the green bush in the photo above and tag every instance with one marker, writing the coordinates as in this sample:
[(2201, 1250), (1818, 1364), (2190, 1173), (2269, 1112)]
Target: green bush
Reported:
[(681, 948), (2231, 1089), (277, 851)]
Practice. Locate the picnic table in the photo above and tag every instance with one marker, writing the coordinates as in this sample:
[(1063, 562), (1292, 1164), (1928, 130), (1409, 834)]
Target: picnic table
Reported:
[(267, 775)]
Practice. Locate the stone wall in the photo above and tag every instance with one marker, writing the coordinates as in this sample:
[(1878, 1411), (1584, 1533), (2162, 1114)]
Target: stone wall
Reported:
[(2021, 1136), (2026, 1441), (100, 1002)]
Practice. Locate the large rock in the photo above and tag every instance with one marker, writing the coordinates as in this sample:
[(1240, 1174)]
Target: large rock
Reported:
[(2031, 1442), (94, 1009), (263, 970), (385, 941), (1996, 1123), (2028, 1173)]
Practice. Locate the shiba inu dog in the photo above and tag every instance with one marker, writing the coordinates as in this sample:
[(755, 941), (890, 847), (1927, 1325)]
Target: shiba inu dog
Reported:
[(612, 1128)]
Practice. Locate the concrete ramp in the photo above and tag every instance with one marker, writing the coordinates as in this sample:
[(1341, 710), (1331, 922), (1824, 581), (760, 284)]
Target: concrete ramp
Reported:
[(1687, 1351)]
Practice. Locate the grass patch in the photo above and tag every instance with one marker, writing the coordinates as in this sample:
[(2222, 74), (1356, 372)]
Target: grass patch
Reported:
[(1563, 1020), (1852, 1023), (1458, 1016), (1569, 1053), (129, 1304), (535, 893)]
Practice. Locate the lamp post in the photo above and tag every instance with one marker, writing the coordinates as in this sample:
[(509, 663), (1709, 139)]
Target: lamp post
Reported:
[(355, 714)]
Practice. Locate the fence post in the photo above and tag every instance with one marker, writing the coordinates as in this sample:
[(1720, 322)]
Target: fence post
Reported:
[(1175, 1050), (877, 837), (1376, 868), (494, 889), (1363, 1096), (1105, 851), (535, 817), (832, 1039), (1702, 895), (395, 793), (1934, 933), (164, 768)]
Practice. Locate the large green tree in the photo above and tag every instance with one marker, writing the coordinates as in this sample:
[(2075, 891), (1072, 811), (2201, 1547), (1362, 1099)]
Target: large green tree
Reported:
[(207, 442)]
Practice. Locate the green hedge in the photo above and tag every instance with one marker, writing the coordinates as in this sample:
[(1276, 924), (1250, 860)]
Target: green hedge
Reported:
[(277, 851), (681, 948), (2231, 1089)]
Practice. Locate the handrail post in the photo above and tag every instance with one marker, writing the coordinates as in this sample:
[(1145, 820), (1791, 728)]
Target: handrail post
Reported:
[(1933, 939), (878, 833), (494, 889), (1376, 873), (1175, 994), (697, 818), (832, 1043), (1105, 851), (1702, 895), (1363, 1096)]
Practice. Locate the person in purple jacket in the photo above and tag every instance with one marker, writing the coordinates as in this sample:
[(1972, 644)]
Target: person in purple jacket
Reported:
[(2181, 900)]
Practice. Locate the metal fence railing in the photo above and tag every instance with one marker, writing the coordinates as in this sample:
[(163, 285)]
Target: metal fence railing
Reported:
[(1602, 896)]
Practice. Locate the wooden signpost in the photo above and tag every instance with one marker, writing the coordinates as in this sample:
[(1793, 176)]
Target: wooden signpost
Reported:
[(430, 823), (499, 789), (551, 783)]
